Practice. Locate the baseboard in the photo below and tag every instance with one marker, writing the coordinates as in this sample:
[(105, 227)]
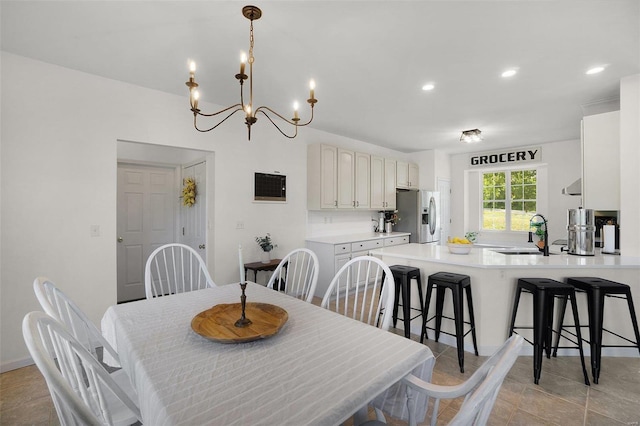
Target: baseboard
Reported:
[(14, 365)]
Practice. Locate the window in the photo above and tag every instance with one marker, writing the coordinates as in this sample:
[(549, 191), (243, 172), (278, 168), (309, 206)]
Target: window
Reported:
[(509, 199)]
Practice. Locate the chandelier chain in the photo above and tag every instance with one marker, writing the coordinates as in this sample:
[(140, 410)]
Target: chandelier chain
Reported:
[(251, 43)]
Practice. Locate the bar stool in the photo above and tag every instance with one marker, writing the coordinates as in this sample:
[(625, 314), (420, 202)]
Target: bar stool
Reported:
[(544, 292), (402, 276), (458, 284), (597, 289)]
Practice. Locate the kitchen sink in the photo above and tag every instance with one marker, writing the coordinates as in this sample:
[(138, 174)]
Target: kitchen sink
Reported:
[(521, 252)]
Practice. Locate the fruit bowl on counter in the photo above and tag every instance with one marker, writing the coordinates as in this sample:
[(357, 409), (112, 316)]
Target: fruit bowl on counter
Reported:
[(459, 245)]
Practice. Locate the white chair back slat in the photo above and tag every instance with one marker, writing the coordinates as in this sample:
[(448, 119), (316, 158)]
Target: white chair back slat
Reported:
[(59, 306), (298, 272), (363, 289), (175, 268), (480, 390), (83, 392)]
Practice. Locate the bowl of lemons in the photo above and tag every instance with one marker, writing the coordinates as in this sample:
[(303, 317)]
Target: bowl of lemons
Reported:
[(459, 245)]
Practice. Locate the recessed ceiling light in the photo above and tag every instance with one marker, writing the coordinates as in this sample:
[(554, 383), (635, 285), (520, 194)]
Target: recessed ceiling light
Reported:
[(510, 73), (428, 87), (595, 70)]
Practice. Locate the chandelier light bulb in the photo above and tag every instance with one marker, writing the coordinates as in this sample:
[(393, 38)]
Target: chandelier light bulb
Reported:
[(295, 111), (196, 97), (247, 109), (192, 67), (243, 61)]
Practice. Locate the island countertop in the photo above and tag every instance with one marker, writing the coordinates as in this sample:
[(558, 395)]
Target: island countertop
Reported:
[(494, 277), (491, 258)]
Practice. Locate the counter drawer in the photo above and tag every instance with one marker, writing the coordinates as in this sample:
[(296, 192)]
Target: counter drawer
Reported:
[(395, 241), (342, 248), (366, 245)]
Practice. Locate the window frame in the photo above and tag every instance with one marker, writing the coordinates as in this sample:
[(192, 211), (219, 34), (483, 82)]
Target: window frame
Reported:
[(508, 201)]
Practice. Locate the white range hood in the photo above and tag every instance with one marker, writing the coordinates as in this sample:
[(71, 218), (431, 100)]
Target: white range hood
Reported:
[(574, 189)]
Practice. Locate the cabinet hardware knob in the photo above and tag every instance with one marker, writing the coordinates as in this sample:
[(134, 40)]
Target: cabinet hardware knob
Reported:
[(120, 239), (201, 246)]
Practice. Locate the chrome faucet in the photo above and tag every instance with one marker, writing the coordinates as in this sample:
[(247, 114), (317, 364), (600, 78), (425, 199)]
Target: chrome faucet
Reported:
[(545, 250)]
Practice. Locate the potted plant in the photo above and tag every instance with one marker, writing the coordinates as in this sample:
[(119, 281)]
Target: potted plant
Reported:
[(266, 244)]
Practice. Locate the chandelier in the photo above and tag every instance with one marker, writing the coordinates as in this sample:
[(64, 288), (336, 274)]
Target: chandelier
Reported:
[(252, 13)]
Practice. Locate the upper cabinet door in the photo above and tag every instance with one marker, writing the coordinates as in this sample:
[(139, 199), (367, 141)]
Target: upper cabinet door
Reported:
[(362, 181), (414, 176), (601, 161), (328, 174), (346, 172), (402, 174), (389, 184), (378, 182)]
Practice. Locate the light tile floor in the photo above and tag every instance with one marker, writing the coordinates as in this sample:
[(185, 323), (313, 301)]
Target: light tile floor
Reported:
[(561, 398)]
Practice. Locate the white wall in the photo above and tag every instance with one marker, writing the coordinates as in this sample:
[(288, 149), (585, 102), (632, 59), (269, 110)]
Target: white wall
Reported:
[(433, 164), (58, 174), (561, 161), (629, 161)]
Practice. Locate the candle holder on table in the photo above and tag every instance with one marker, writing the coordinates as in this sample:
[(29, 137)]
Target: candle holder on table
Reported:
[(243, 321)]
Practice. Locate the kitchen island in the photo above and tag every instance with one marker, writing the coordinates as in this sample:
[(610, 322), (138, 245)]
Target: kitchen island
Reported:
[(494, 274)]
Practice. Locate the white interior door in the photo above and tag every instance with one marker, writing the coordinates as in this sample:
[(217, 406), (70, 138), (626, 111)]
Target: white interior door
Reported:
[(147, 205), (194, 218), (444, 187)]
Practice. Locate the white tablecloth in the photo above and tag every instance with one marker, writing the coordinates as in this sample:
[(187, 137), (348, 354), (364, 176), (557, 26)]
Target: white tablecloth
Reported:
[(319, 369)]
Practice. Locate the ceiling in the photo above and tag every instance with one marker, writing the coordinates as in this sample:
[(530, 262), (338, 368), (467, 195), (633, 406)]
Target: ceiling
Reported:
[(370, 60)]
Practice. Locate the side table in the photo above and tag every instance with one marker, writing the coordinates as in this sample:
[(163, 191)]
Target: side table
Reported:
[(259, 266)]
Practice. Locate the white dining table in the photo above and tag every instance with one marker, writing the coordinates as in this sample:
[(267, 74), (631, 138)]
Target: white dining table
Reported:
[(319, 369)]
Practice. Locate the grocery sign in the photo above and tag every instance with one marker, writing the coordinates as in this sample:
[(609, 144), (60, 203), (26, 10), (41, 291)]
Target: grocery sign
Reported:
[(507, 157)]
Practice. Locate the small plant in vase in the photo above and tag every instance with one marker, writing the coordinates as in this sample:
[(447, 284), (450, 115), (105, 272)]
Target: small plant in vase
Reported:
[(266, 244)]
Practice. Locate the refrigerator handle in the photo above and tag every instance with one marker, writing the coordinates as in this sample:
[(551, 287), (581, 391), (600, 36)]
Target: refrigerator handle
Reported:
[(432, 216)]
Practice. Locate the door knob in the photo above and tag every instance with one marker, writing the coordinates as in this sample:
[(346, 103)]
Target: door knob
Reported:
[(201, 246), (120, 239)]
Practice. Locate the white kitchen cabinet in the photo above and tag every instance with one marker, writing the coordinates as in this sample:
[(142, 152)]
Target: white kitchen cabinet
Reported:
[(322, 177), (362, 181), (346, 172), (334, 252), (337, 178), (383, 183), (396, 241), (601, 161), (414, 176), (407, 175)]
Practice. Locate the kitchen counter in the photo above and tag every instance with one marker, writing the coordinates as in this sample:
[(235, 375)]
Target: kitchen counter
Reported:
[(491, 258), (494, 277), (348, 238)]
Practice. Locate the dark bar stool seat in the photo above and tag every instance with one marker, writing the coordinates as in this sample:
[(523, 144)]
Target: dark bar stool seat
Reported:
[(402, 275), (458, 284), (544, 292), (597, 289)]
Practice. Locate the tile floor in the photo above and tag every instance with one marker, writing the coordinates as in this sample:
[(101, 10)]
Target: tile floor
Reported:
[(560, 399)]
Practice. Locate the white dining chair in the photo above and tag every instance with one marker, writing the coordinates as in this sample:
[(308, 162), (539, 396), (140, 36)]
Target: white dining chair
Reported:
[(59, 306), (297, 274), (479, 391), (175, 268), (359, 291), (82, 391)]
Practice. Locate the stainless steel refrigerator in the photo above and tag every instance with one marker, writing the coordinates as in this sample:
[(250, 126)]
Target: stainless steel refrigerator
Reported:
[(419, 213)]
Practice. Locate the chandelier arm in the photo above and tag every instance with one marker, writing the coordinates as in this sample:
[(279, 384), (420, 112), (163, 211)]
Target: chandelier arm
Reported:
[(239, 106), (276, 126), (293, 123), (208, 115)]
